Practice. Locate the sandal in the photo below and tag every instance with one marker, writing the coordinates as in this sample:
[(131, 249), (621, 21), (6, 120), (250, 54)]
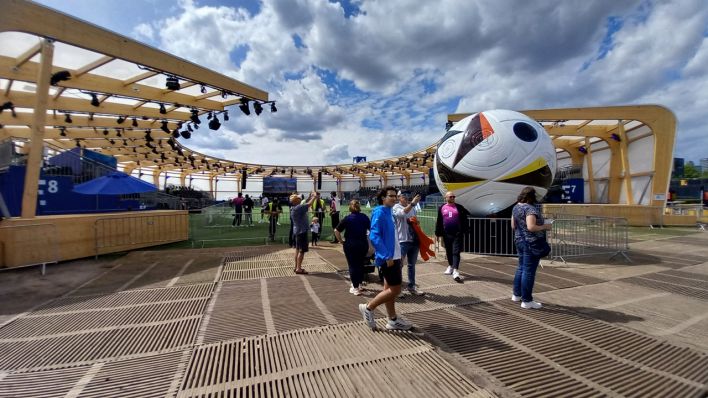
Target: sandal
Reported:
[(301, 271)]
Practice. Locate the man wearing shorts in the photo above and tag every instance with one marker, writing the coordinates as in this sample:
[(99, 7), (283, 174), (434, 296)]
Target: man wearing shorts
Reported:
[(301, 225), (388, 258)]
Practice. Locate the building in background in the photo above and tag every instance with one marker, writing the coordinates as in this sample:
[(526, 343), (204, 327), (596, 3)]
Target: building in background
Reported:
[(677, 171)]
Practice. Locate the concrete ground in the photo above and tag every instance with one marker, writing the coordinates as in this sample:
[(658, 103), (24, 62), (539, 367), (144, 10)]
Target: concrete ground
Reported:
[(237, 322)]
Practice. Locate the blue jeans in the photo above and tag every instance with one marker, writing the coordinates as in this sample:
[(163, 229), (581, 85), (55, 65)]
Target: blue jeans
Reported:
[(526, 272), (409, 250)]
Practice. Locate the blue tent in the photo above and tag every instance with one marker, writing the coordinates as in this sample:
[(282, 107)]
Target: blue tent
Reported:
[(115, 183)]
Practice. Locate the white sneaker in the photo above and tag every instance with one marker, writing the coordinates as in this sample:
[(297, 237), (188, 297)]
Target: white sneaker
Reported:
[(449, 270), (456, 276), (415, 292), (531, 305), (398, 324), (354, 291), (515, 298), (368, 316)]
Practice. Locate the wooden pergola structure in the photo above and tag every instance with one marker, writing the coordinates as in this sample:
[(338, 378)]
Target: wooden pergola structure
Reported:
[(108, 93)]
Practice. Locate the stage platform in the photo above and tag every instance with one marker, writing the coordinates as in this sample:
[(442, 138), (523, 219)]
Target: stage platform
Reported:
[(237, 322)]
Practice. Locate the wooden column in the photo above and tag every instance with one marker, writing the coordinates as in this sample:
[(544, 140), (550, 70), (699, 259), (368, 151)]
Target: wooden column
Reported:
[(36, 147), (183, 179), (615, 180), (156, 178), (626, 173), (590, 170)]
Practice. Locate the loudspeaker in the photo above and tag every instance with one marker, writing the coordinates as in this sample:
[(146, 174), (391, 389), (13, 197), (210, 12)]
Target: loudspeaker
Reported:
[(244, 176), (319, 180)]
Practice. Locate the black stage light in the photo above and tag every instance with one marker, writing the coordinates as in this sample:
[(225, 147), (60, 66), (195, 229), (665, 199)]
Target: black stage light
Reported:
[(105, 131), (162, 109), (195, 117), (91, 116), (214, 123), (175, 133), (67, 118), (273, 109), (148, 137), (172, 83), (244, 107), (164, 128), (135, 122), (186, 134), (9, 105), (226, 116), (62, 132), (448, 125), (203, 90), (257, 107), (59, 76), (120, 120), (118, 134), (189, 127), (94, 100), (112, 141)]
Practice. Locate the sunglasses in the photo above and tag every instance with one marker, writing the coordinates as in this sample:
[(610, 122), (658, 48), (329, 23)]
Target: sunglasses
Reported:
[(452, 196)]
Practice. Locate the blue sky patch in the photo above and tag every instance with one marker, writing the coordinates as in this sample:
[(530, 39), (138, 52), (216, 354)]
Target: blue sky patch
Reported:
[(294, 75), (298, 41), (614, 24), (350, 9), (238, 54), (340, 87)]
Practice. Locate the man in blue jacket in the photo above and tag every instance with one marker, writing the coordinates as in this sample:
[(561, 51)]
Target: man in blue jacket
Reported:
[(388, 258)]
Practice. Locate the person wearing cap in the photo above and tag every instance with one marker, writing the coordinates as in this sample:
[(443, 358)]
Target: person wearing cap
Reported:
[(450, 227)]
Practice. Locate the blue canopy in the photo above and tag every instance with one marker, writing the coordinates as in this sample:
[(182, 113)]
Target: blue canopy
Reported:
[(115, 183)]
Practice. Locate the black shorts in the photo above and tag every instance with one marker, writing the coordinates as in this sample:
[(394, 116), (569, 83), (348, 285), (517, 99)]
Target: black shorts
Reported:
[(392, 274), (301, 244)]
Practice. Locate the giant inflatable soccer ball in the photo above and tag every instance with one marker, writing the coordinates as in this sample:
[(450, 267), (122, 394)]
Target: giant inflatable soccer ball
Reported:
[(487, 158)]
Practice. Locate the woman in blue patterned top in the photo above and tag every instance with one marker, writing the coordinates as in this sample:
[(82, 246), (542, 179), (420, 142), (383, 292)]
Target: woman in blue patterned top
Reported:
[(528, 225)]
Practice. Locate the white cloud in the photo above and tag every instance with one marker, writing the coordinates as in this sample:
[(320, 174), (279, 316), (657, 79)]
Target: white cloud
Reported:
[(144, 32), (337, 154)]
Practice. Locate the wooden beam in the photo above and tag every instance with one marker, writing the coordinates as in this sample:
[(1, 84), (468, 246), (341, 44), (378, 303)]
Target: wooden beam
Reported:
[(93, 65), (137, 78), (107, 85), (36, 150), (25, 119), (27, 55), (26, 100)]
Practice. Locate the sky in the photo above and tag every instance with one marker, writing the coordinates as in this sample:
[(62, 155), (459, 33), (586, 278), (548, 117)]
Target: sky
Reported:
[(377, 78)]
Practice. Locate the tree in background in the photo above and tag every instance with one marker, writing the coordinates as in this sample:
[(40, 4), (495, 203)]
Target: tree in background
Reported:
[(690, 170)]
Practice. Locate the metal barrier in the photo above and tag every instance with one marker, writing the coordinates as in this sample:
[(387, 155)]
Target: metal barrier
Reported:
[(129, 231), (490, 236), (571, 236), (23, 239), (589, 235)]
